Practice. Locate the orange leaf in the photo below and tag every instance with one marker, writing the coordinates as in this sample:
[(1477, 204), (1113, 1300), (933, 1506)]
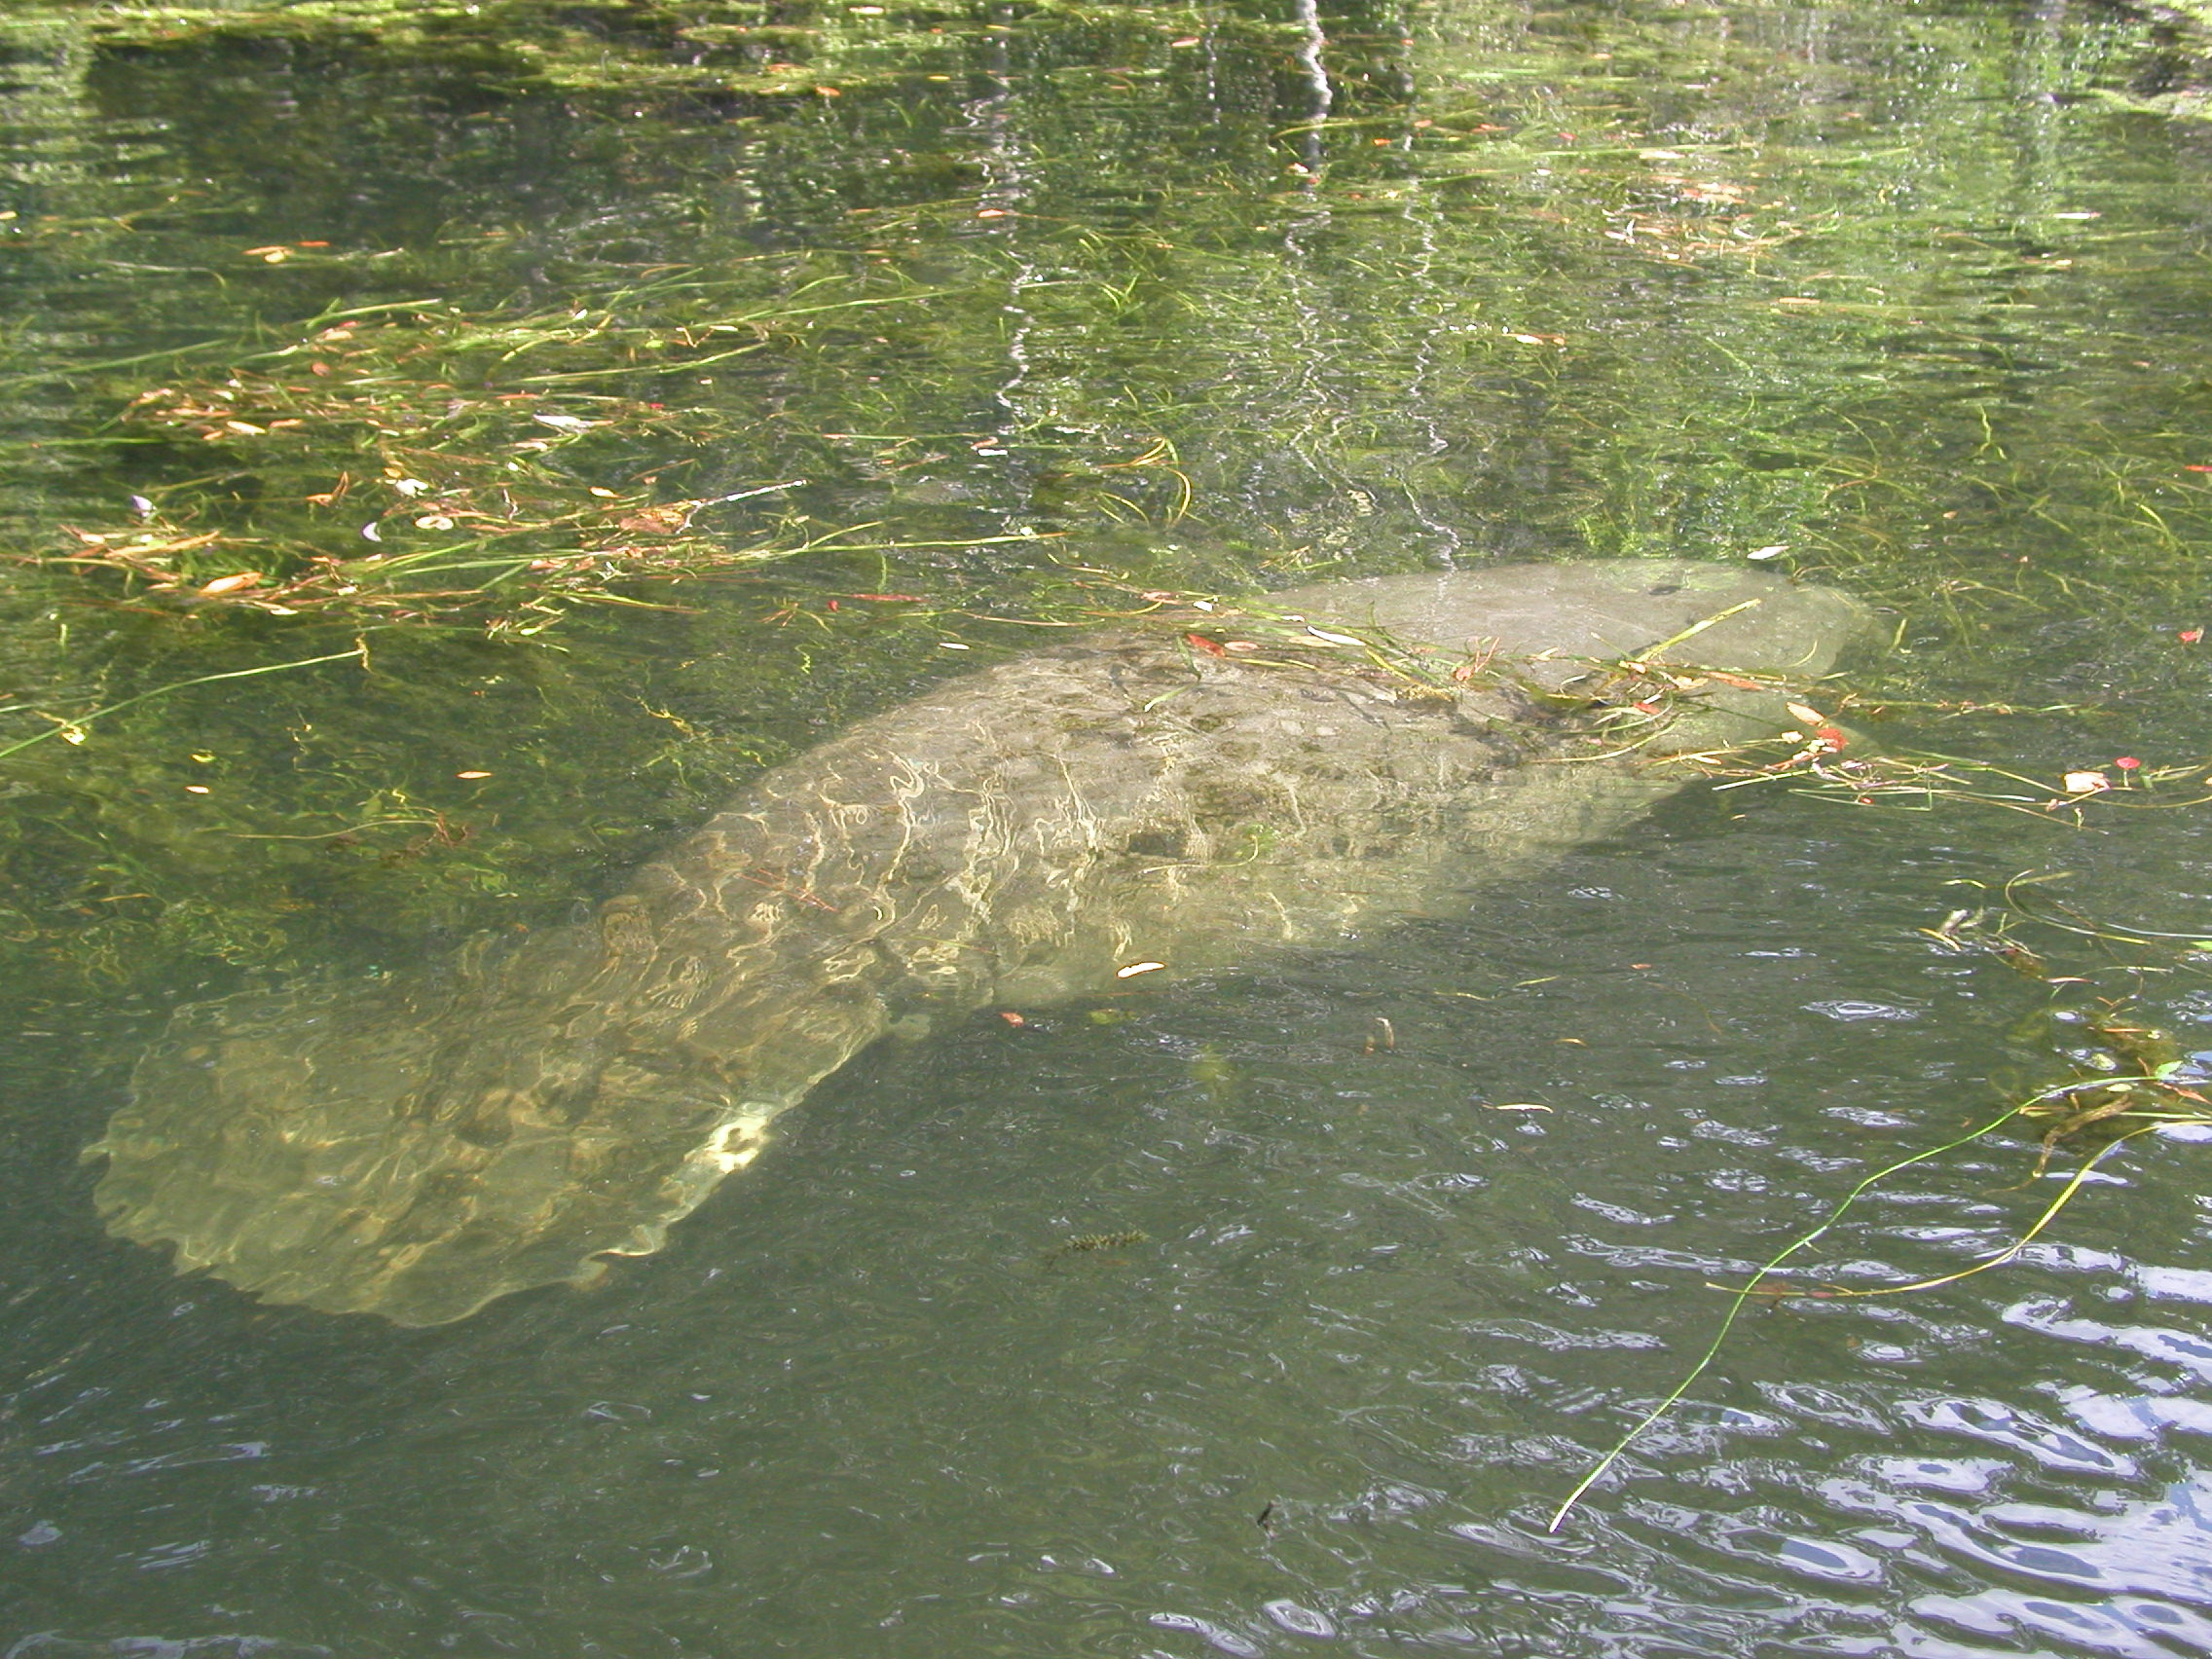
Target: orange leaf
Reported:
[(669, 519)]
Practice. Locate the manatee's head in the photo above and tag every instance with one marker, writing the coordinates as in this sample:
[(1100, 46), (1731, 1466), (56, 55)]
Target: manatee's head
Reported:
[(1554, 624)]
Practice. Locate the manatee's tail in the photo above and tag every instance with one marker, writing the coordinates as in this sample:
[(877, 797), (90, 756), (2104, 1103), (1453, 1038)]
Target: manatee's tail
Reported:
[(416, 1148)]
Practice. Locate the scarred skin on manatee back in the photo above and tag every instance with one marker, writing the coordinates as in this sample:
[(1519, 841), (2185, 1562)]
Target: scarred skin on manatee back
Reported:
[(419, 1146)]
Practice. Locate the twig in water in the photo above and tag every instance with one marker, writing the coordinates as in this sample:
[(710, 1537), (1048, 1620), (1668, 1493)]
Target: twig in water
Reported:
[(360, 652)]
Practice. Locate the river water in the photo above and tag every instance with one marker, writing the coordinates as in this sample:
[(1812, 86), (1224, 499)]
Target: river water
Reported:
[(1910, 298)]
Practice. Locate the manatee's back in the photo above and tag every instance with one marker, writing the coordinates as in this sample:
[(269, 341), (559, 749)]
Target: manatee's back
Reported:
[(417, 1146)]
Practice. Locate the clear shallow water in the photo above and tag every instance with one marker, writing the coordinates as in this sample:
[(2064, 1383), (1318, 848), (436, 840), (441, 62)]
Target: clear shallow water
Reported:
[(860, 1401), (866, 1403)]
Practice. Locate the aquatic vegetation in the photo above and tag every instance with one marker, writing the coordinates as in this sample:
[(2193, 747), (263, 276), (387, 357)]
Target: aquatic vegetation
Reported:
[(1822, 765), (517, 443), (2130, 1078), (1083, 1243)]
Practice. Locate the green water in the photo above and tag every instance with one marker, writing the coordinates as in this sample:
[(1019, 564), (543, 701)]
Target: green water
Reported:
[(1127, 299)]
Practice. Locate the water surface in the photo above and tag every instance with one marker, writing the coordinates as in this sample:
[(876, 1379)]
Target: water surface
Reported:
[(1907, 297)]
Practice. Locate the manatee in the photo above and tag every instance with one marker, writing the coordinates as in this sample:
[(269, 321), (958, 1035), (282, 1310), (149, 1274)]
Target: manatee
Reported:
[(416, 1144)]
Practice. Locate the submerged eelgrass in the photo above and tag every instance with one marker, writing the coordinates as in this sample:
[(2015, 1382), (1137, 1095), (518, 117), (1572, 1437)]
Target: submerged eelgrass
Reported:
[(415, 460)]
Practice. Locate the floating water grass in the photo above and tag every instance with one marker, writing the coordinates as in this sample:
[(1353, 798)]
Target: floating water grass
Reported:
[(1825, 768), (72, 730), (2131, 1081), (470, 461)]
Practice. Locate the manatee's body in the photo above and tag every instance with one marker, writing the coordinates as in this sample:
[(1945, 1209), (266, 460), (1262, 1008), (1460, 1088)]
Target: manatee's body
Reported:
[(417, 1147)]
